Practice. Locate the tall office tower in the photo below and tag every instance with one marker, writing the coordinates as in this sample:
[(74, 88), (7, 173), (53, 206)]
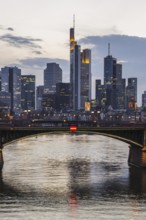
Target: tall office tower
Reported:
[(85, 77), (131, 91), (52, 75), (132, 82), (76, 78), (115, 91), (11, 83), (124, 91), (109, 73), (62, 96), (49, 102), (80, 74), (5, 103), (100, 94), (75, 83), (39, 95), (0, 82), (144, 100), (118, 101), (28, 92)]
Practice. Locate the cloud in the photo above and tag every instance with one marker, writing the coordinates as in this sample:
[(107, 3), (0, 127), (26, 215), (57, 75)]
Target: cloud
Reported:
[(121, 45), (10, 29), (6, 28), (128, 49), (37, 52), (19, 42), (39, 64)]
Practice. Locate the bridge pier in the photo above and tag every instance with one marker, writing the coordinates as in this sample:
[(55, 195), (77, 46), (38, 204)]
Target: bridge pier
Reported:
[(1, 159), (1, 153), (137, 156)]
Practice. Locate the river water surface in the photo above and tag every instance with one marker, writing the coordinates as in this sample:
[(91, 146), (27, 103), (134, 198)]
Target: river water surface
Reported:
[(69, 177)]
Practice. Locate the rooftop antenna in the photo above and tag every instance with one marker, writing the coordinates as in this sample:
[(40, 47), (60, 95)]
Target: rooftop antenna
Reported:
[(74, 21), (109, 49)]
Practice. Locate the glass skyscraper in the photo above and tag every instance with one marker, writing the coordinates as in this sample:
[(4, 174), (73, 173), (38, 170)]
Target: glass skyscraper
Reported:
[(80, 74), (11, 83), (52, 75), (28, 92), (85, 77)]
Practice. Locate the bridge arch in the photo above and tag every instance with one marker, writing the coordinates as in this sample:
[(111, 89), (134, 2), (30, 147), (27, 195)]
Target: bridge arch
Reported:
[(135, 137), (125, 140)]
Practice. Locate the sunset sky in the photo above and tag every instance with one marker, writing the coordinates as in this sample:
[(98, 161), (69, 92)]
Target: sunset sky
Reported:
[(34, 32)]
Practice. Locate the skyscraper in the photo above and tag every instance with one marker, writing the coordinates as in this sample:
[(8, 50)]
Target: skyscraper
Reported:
[(109, 73), (115, 91), (85, 77), (5, 103), (11, 83), (0, 81), (75, 78), (118, 88), (131, 91), (144, 100), (28, 92), (80, 74), (100, 94), (39, 95), (52, 75), (62, 96)]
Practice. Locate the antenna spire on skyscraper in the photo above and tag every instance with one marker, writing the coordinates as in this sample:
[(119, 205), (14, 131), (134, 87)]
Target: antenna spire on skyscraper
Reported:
[(109, 49), (74, 21)]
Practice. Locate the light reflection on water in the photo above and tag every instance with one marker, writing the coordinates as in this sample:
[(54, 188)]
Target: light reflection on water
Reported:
[(64, 176)]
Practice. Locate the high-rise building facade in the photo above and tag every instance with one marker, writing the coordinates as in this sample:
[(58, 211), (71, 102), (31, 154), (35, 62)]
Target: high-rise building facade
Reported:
[(49, 102), (80, 74), (62, 96), (52, 75), (144, 100), (5, 103), (39, 95), (28, 92), (11, 83), (100, 94), (85, 77), (75, 83), (0, 82), (113, 82), (118, 88), (109, 73), (131, 91)]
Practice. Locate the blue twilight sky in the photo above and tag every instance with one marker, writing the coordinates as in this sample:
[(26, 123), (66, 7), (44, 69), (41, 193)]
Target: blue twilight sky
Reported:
[(34, 32)]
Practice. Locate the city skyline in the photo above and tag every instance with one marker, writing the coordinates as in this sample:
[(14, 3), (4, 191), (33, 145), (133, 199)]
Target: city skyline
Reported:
[(39, 34)]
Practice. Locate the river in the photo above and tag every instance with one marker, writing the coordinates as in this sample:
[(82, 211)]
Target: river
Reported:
[(70, 177)]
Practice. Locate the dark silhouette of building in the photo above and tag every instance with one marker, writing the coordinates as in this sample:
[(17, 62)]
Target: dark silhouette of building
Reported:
[(11, 83), (5, 104), (131, 91), (49, 102), (62, 96), (100, 94), (52, 75), (39, 95), (113, 82), (28, 92), (144, 100)]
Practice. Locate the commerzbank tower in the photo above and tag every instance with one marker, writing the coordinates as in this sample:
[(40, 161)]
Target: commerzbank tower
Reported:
[(80, 74)]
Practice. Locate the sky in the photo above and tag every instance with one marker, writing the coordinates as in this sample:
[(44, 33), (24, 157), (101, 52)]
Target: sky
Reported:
[(34, 32)]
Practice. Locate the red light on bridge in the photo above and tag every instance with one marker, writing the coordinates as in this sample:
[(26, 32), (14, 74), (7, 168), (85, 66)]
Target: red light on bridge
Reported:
[(73, 128)]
